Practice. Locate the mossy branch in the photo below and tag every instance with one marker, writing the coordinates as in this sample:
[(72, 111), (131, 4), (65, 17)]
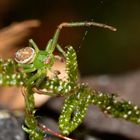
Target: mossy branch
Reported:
[(75, 107), (9, 73)]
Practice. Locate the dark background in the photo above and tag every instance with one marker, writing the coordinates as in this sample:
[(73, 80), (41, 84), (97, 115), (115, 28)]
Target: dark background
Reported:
[(101, 51)]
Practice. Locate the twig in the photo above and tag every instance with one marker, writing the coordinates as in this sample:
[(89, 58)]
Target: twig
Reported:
[(44, 128)]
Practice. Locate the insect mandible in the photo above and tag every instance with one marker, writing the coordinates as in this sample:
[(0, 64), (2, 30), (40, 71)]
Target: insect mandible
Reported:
[(31, 59)]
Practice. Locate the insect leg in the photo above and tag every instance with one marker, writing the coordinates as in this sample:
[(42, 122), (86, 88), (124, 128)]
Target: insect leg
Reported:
[(60, 49), (49, 48), (40, 80), (26, 66), (29, 70), (34, 77), (33, 44), (75, 24)]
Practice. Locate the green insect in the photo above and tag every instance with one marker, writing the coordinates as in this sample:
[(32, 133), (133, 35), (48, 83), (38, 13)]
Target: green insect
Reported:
[(31, 59)]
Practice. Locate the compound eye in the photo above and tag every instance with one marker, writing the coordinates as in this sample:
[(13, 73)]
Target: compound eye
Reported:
[(25, 55)]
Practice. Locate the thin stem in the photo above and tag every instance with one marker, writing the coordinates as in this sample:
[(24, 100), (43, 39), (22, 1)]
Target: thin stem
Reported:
[(44, 128)]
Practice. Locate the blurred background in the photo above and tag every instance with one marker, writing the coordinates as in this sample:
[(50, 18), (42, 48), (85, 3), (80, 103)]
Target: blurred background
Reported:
[(100, 52)]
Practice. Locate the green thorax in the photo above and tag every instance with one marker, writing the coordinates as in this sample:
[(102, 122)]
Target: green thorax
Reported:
[(41, 58)]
